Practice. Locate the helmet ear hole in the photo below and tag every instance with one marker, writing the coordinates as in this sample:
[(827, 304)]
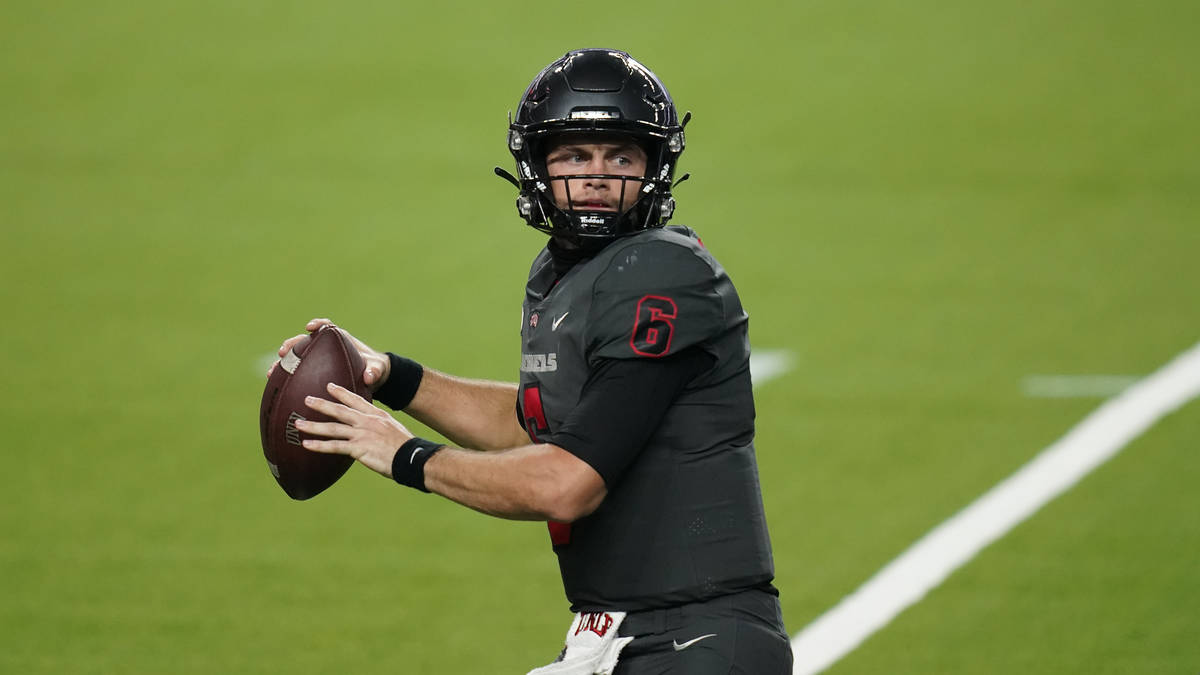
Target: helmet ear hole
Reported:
[(525, 206)]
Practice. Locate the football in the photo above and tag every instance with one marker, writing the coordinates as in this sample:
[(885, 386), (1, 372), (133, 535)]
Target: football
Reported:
[(327, 355)]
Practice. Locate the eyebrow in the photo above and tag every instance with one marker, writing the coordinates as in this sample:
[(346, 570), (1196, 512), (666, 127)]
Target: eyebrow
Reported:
[(609, 147)]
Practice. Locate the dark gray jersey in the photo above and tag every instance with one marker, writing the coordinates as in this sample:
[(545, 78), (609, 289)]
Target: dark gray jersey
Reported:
[(684, 521)]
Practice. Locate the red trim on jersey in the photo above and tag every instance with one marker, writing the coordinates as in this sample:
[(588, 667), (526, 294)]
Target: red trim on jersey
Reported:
[(535, 415), (560, 533)]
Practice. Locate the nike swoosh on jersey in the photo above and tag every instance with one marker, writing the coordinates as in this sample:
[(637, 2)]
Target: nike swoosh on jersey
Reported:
[(557, 321), (680, 647)]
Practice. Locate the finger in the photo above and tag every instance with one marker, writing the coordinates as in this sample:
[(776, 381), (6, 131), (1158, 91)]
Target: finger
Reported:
[(325, 429), (376, 367), (337, 411), (351, 399), (313, 325), (291, 342), (271, 370), (328, 447)]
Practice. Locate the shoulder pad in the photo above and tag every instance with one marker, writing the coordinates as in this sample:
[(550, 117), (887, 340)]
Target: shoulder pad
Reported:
[(659, 293)]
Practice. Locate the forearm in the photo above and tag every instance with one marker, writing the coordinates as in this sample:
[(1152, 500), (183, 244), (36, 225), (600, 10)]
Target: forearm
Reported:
[(477, 414), (533, 482)]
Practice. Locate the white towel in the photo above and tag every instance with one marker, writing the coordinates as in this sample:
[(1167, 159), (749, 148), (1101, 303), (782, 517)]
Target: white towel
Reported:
[(592, 646)]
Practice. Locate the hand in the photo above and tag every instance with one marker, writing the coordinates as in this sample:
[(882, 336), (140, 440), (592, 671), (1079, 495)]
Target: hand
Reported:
[(361, 431), (377, 366)]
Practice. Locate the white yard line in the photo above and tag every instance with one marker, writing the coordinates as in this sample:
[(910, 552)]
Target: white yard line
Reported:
[(262, 363), (905, 580), (768, 364), (1076, 386)]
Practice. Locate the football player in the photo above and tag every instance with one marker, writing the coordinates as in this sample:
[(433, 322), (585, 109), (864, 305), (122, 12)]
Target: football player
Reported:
[(633, 431)]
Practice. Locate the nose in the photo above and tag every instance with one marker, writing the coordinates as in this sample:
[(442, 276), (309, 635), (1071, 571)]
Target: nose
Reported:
[(595, 166)]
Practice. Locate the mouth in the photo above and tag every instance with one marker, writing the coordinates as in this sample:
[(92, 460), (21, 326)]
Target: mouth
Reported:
[(592, 205)]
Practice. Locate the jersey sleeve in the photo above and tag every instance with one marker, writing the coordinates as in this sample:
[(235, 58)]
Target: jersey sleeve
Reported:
[(636, 392), (655, 299)]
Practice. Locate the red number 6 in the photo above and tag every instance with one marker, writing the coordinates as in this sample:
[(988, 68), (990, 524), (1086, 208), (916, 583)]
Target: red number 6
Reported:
[(652, 327)]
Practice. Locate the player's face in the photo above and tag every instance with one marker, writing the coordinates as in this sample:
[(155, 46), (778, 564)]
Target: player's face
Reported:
[(588, 155)]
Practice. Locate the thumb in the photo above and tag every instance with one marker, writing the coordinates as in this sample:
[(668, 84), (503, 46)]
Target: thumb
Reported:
[(373, 378)]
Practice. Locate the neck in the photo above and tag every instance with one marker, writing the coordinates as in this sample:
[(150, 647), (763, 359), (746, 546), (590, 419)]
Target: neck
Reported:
[(566, 253)]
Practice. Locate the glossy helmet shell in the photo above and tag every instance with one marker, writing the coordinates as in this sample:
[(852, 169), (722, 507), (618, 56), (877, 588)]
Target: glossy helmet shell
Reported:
[(596, 91)]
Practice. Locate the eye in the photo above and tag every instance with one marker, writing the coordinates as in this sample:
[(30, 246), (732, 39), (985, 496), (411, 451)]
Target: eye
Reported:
[(565, 158)]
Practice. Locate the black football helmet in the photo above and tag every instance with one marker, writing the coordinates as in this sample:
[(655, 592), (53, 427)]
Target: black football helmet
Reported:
[(600, 92)]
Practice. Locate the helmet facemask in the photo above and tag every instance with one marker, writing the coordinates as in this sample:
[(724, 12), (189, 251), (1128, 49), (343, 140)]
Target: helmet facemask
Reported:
[(631, 202)]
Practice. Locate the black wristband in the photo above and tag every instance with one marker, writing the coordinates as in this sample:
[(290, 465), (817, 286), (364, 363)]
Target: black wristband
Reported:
[(408, 466), (404, 379)]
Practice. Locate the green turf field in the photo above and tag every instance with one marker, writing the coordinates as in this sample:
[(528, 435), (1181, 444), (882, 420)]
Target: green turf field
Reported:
[(923, 202)]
